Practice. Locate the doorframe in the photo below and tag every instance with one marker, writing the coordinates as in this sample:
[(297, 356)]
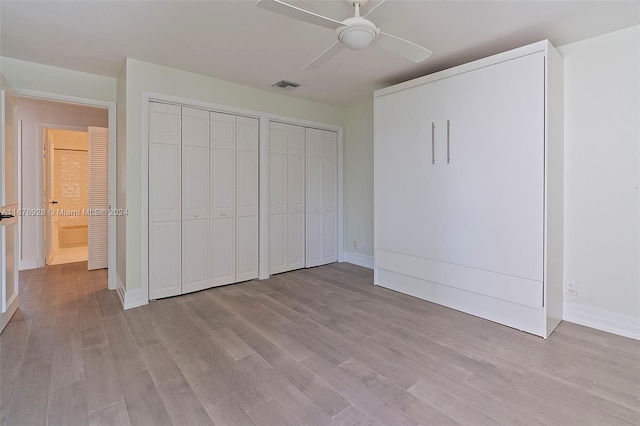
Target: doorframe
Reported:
[(42, 260), (263, 181), (111, 124)]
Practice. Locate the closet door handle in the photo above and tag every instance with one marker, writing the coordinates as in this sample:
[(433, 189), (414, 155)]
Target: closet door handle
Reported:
[(433, 143), (448, 143)]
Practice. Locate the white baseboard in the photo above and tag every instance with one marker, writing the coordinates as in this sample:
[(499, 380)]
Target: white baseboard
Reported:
[(134, 298), (26, 264), (130, 299), (359, 259), (599, 319)]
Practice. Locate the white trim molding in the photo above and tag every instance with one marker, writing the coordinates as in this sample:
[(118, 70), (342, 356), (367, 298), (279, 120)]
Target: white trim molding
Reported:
[(599, 319), (359, 259)]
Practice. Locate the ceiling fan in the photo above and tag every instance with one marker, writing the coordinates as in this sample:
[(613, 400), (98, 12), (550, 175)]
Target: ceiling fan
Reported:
[(357, 32)]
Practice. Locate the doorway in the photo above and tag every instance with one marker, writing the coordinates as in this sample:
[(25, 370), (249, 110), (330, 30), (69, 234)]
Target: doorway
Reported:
[(66, 185)]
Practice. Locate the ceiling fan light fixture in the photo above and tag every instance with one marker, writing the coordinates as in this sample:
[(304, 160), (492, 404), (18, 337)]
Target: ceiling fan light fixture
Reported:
[(357, 37)]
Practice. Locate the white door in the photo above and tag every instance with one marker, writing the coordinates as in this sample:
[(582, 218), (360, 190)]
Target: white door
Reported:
[(223, 201), (246, 198), (278, 198), (8, 203), (295, 197), (314, 183), (165, 235), (195, 199), (47, 195), (329, 197), (98, 198)]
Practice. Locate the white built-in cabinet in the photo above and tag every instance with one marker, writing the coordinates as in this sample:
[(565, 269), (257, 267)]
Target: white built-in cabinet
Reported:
[(203, 199), (303, 194), (468, 188)]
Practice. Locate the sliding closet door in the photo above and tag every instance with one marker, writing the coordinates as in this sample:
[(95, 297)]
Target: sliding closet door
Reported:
[(278, 198), (223, 200), (247, 199), (165, 238), (295, 197), (314, 252), (329, 197), (195, 199)]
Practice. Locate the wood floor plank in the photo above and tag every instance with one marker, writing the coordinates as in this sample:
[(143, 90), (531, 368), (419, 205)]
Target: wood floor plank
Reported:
[(115, 414), (13, 342), (182, 403), (101, 375), (68, 405), (30, 397), (358, 394), (144, 405)]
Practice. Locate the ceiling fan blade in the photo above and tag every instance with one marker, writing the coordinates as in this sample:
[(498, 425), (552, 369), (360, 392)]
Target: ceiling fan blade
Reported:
[(291, 11), (402, 47), (325, 56), (380, 13)]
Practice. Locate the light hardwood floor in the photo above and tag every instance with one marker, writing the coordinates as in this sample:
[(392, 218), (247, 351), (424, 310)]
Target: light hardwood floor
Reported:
[(317, 346)]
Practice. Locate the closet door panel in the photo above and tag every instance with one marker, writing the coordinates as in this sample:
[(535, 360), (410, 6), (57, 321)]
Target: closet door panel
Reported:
[(223, 184), (247, 199), (329, 197), (195, 199), (223, 251), (296, 198), (164, 259), (278, 197), (314, 219), (165, 234)]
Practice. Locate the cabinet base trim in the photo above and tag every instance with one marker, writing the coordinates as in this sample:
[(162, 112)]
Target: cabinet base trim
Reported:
[(599, 319), (510, 314)]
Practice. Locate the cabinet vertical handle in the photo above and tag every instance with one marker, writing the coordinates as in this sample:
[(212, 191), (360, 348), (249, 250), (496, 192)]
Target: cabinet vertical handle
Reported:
[(433, 143), (448, 143)]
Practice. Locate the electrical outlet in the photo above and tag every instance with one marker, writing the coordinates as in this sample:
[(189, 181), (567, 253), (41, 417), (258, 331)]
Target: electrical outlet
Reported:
[(355, 244), (572, 288)]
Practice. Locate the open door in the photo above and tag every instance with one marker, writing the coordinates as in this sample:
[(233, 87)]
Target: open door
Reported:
[(8, 203), (47, 194), (98, 198)]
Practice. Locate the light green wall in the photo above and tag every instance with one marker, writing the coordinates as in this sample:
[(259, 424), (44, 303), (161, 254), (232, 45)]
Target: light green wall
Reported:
[(142, 76), (358, 177), (45, 78)]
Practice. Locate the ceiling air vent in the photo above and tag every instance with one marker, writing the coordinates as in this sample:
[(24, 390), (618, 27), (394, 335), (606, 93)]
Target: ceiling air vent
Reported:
[(286, 85)]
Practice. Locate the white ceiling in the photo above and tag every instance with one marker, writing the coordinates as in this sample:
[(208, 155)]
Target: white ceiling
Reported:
[(236, 41)]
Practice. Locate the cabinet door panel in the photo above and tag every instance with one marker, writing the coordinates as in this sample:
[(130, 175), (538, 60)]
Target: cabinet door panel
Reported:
[(278, 197), (495, 190), (408, 183), (314, 239), (247, 248)]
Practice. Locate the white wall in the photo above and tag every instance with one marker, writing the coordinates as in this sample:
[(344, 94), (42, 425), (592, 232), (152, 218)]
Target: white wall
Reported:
[(44, 78), (358, 178), (32, 113), (142, 76), (602, 171)]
